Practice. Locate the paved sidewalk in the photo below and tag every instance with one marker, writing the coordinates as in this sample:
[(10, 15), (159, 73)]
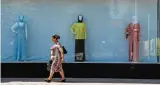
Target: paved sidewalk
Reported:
[(79, 81)]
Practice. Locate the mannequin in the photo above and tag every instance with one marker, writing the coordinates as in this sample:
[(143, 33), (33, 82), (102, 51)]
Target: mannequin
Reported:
[(79, 30), (133, 34), (20, 31)]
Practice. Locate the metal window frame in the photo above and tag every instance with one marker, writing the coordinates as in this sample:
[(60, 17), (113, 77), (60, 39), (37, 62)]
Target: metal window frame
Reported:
[(158, 26)]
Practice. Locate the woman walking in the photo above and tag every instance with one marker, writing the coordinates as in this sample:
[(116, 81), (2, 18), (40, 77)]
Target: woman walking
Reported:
[(57, 57)]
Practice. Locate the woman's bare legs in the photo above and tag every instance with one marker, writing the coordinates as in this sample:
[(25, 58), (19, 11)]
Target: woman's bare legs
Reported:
[(62, 74), (51, 75)]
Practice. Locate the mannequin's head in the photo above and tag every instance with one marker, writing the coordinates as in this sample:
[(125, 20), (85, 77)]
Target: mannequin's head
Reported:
[(80, 18), (134, 19), (21, 18)]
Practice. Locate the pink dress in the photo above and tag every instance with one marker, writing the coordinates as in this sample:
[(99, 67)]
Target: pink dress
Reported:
[(56, 64), (134, 37)]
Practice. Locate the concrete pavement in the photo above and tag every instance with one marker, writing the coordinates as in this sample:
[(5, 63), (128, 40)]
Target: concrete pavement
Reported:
[(79, 81)]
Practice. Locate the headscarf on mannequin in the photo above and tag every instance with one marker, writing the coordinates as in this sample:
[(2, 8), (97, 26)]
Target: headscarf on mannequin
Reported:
[(80, 18), (21, 18), (134, 20)]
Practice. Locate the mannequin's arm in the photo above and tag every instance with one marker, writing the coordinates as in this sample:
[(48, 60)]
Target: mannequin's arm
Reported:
[(85, 30), (26, 33), (73, 29), (127, 32), (13, 28), (139, 32)]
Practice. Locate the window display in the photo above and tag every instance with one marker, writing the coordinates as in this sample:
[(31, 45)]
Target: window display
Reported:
[(133, 32), (99, 34), (79, 30), (20, 31)]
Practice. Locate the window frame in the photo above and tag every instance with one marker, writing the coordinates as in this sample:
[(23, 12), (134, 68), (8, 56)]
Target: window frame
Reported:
[(158, 27)]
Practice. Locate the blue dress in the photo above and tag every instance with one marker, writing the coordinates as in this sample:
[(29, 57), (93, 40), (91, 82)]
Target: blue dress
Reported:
[(20, 42)]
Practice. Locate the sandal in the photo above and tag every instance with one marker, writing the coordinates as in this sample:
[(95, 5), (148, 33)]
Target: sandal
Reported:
[(47, 80), (64, 80)]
